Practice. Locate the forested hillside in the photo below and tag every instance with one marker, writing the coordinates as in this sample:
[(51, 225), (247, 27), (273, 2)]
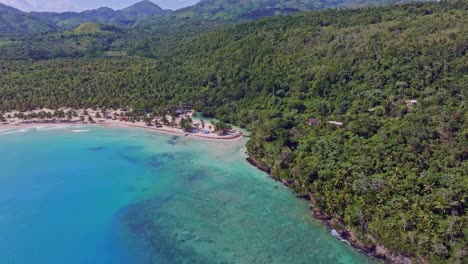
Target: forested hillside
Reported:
[(14, 20), (361, 111), (146, 14), (253, 9), (17, 22)]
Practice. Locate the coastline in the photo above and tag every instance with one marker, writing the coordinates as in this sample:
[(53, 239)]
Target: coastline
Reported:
[(334, 225), (152, 164), (343, 231), (115, 118), (165, 130)]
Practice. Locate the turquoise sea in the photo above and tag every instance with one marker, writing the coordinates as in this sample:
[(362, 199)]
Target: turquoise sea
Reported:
[(115, 195)]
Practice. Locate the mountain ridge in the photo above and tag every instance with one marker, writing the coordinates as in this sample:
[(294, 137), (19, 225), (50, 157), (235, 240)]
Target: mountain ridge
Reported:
[(127, 16), (148, 15), (13, 20), (6, 8), (253, 9)]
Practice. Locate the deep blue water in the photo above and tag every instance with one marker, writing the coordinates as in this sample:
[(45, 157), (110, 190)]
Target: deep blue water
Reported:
[(130, 196)]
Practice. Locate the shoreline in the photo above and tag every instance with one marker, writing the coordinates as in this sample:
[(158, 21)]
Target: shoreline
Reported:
[(122, 125), (333, 225), (344, 232), (181, 124)]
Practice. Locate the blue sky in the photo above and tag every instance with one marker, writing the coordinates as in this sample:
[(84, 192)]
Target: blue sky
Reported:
[(78, 5)]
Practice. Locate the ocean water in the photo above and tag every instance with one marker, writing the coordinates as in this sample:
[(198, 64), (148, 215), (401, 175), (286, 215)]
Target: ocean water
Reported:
[(114, 195)]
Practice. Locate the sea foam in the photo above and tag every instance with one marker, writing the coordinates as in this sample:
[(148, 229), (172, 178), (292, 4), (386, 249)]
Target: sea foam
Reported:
[(13, 131), (80, 131)]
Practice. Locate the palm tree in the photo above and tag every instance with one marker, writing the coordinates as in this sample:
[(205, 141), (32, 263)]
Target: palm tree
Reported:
[(20, 116), (147, 120), (41, 115), (55, 114), (157, 123), (61, 114), (164, 120), (186, 124), (33, 116), (48, 115), (203, 123)]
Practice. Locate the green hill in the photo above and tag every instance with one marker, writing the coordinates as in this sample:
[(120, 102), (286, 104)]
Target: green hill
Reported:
[(88, 28), (141, 9)]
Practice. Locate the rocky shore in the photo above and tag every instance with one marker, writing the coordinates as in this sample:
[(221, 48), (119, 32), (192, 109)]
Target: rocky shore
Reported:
[(339, 229)]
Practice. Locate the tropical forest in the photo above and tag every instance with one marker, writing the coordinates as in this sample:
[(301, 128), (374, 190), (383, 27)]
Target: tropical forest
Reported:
[(359, 108)]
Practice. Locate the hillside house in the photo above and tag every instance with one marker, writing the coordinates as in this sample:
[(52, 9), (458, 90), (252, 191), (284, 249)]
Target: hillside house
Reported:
[(313, 122)]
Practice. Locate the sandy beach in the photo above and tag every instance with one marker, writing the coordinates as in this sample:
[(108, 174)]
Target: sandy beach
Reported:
[(14, 122)]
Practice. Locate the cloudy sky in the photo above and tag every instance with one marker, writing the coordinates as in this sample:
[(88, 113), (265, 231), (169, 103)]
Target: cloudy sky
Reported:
[(79, 5)]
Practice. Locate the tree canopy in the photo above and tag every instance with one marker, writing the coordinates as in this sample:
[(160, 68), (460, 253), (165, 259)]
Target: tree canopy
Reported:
[(388, 86)]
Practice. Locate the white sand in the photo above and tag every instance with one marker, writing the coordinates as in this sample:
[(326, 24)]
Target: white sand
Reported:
[(16, 123)]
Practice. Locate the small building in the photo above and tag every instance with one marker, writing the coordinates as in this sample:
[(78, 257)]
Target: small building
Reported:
[(411, 101), (336, 123), (313, 122)]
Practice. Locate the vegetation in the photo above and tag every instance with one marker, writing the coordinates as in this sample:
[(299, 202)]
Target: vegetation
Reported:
[(186, 123), (146, 14), (14, 21), (88, 28), (221, 127), (394, 172), (234, 10)]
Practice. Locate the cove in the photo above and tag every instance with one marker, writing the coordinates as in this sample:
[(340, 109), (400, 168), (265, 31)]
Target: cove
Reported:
[(114, 195)]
